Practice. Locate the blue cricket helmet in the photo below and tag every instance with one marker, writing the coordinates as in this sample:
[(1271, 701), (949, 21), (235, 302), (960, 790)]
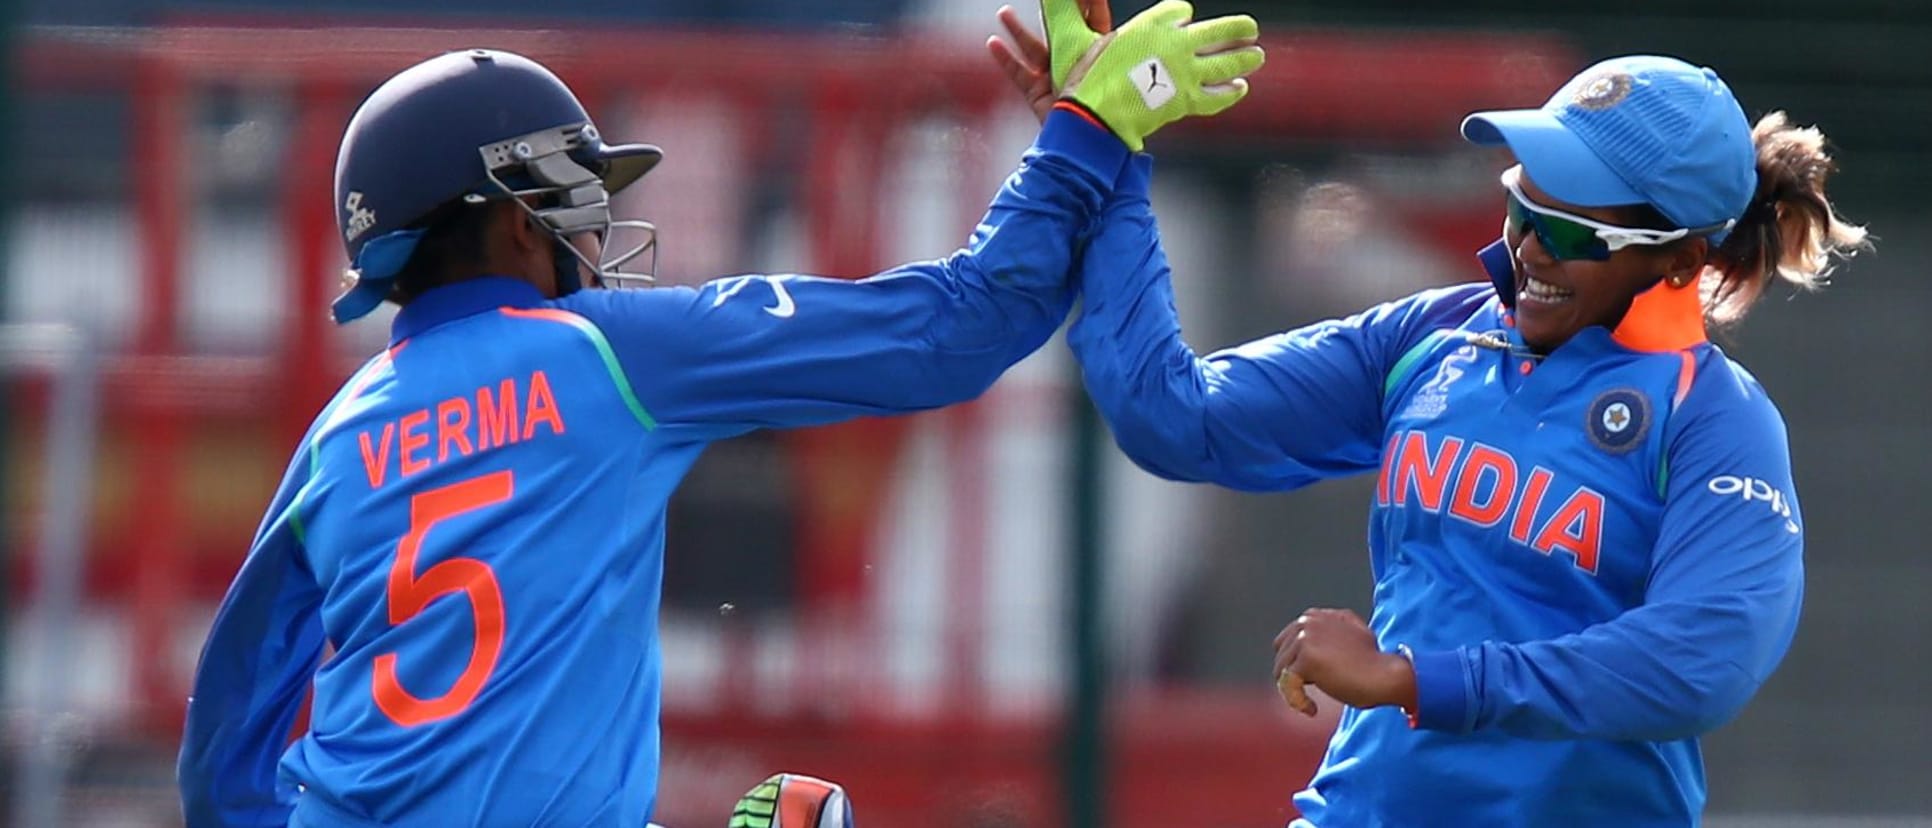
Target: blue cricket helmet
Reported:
[(479, 125)]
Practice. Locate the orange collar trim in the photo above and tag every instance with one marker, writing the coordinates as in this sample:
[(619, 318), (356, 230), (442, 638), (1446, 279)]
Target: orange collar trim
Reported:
[(1663, 318)]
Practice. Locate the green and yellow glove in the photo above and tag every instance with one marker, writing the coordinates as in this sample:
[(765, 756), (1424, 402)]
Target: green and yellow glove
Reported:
[(1153, 71)]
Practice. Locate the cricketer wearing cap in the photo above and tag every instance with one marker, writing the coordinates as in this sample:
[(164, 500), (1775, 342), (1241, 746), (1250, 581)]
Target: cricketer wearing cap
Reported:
[(1584, 536)]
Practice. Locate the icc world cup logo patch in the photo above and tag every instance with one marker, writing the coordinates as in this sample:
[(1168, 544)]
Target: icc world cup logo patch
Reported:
[(1618, 420)]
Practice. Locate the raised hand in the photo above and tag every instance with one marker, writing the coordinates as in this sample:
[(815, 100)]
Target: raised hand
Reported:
[(1159, 67), (1025, 61)]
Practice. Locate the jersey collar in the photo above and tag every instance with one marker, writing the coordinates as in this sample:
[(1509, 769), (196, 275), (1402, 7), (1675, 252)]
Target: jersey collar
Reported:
[(1502, 272), (1663, 318), (455, 301)]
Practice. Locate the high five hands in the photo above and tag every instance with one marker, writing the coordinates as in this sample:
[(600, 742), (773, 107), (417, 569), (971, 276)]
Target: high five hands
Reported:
[(1159, 67)]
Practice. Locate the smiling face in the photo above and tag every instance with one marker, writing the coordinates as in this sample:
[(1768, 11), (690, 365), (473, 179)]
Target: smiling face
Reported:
[(1556, 298)]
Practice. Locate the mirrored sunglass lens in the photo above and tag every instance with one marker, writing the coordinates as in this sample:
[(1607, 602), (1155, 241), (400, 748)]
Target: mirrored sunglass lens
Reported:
[(1515, 220), (1564, 239), (1570, 240)]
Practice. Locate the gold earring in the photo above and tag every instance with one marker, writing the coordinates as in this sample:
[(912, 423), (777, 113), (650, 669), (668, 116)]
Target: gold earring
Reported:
[(1680, 281)]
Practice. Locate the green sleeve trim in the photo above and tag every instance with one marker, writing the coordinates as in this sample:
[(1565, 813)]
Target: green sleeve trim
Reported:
[(590, 330), (295, 506), (294, 514), (359, 380), (1406, 364)]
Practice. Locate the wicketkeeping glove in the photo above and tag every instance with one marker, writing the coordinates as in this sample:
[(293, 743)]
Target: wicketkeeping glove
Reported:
[(789, 800), (1153, 71)]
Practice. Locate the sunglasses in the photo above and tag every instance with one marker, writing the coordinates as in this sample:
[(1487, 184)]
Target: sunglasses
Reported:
[(1569, 236)]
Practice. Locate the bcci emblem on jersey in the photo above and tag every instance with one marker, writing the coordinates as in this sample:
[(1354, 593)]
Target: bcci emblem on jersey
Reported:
[(1618, 419)]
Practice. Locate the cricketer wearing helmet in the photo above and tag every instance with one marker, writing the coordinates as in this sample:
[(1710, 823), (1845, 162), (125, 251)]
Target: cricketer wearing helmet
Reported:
[(473, 528)]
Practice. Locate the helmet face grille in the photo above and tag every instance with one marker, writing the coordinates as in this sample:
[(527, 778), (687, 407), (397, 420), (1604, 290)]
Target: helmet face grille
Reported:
[(569, 198), (527, 149), (643, 242)]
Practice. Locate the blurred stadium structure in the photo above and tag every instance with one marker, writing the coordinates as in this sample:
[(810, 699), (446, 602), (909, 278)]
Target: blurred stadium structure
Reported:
[(883, 603)]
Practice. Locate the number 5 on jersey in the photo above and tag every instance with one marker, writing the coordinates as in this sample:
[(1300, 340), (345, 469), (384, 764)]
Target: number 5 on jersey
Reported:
[(408, 595)]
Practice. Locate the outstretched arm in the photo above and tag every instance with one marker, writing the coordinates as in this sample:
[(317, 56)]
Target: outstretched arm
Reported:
[(794, 350), (783, 351), (1272, 414)]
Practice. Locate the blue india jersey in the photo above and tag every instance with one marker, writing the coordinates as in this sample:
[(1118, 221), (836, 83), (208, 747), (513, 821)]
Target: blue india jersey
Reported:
[(473, 529), (1595, 555)]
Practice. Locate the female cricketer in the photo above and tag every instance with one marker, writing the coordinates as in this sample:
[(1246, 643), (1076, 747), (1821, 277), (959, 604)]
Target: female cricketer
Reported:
[(1584, 537), (473, 529)]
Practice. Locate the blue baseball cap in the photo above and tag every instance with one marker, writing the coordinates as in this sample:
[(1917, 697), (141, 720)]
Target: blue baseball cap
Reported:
[(1643, 129)]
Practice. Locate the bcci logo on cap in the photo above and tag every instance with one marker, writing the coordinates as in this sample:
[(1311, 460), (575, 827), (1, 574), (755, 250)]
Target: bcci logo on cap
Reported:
[(1618, 420), (360, 218), (1600, 92)]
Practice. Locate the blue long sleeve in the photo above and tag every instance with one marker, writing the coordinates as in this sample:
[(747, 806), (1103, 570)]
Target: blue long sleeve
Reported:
[(1273, 414), (254, 671), (785, 351), (1719, 611)]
